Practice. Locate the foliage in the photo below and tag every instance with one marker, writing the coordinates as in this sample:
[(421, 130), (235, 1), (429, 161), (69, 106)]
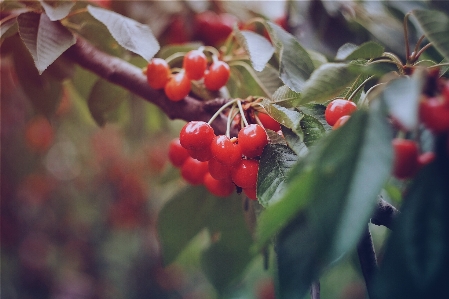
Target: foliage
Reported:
[(317, 187)]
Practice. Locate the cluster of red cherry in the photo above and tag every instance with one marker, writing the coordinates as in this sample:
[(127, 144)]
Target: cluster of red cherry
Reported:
[(194, 67), (338, 112), (219, 162), (434, 115)]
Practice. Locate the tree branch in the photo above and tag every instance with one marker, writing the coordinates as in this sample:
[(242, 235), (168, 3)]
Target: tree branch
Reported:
[(384, 214), (124, 74), (367, 258)]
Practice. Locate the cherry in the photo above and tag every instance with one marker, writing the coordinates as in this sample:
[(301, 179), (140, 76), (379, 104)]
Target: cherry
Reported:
[(405, 158), (244, 174), (212, 28), (220, 188), (176, 153), (225, 151), (252, 140), (201, 154), (250, 193), (158, 73), (178, 87), (425, 158), (195, 64), (39, 134), (219, 171), (217, 75), (434, 113), (340, 122), (338, 108), (196, 135), (193, 171), (268, 122)]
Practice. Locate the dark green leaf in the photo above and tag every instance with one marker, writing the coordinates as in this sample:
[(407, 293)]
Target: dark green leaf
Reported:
[(44, 91), (191, 211), (46, 40), (105, 98), (295, 141), (274, 165), (258, 47), (326, 82), (57, 10), (312, 129), (402, 96), (368, 50), (416, 262), (296, 66), (131, 35), (330, 194), (435, 25), (317, 58)]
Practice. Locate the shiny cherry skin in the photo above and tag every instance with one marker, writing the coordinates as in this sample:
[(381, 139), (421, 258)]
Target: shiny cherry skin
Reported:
[(252, 140), (221, 188), (195, 64), (178, 87), (177, 154), (405, 159), (196, 135), (158, 73), (434, 113), (193, 171), (244, 174), (338, 108), (217, 76)]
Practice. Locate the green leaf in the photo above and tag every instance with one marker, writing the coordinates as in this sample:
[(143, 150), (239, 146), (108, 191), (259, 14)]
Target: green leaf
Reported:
[(295, 141), (287, 117), (368, 50), (46, 40), (296, 66), (331, 193), (402, 96), (317, 58), (57, 10), (312, 129), (8, 29), (416, 263), (245, 81), (435, 25), (105, 98), (326, 82), (194, 209), (274, 165), (284, 96), (44, 91), (131, 35), (258, 47)]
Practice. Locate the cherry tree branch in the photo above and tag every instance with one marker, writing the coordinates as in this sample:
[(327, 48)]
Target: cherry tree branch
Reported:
[(384, 214), (130, 77)]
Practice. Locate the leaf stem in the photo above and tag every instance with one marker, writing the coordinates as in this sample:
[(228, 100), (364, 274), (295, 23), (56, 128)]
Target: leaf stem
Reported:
[(359, 87)]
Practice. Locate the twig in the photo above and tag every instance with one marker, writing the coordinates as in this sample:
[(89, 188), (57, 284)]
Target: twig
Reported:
[(122, 73), (384, 214), (367, 258)]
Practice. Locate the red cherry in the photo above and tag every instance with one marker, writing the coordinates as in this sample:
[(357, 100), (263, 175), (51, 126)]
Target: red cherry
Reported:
[(338, 108), (445, 92), (193, 171), (39, 134), (158, 73), (244, 174), (219, 171), (178, 87), (212, 28), (176, 153), (201, 154), (196, 135), (252, 140), (218, 187), (250, 193), (217, 75), (425, 158), (405, 158), (195, 64), (434, 113), (225, 151), (268, 122), (341, 121)]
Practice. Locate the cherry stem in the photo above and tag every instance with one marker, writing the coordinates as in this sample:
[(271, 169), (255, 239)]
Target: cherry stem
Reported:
[(242, 113), (416, 56), (221, 110), (359, 87), (230, 118), (174, 56), (418, 43), (258, 120), (407, 46), (211, 50)]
